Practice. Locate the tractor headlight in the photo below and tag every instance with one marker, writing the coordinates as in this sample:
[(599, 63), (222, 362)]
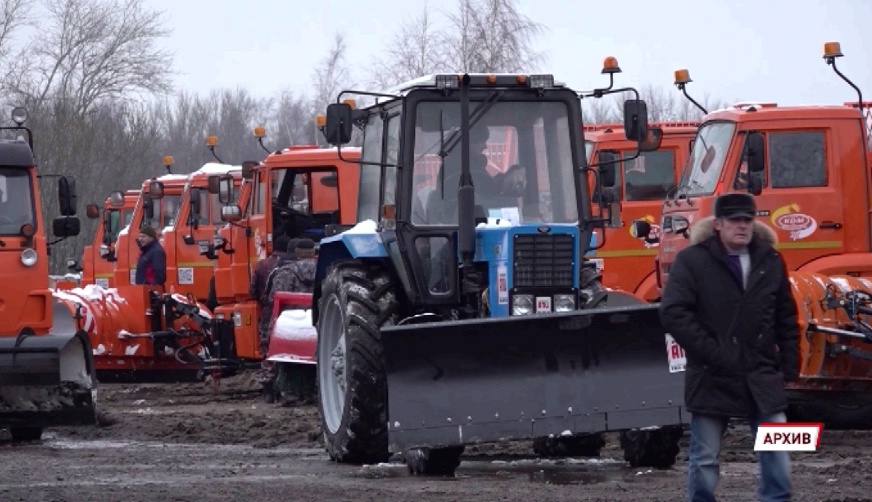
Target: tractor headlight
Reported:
[(28, 257), (564, 303), (522, 304)]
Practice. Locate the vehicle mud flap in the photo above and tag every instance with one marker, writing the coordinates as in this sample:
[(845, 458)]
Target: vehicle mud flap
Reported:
[(520, 377), (46, 380)]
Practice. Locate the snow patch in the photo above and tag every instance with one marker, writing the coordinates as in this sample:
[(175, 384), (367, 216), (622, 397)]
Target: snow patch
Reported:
[(99, 350), (495, 223), (364, 227), (173, 177), (130, 350), (216, 168), (294, 324)]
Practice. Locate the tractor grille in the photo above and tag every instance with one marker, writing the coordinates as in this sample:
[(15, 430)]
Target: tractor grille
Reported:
[(543, 260)]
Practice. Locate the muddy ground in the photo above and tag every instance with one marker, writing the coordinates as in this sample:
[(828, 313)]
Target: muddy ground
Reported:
[(198, 442)]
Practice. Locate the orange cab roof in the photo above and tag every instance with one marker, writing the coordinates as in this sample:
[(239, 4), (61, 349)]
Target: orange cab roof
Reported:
[(748, 112)]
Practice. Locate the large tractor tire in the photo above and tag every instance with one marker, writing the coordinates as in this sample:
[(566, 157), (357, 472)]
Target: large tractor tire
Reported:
[(357, 300), (657, 448), (25, 433), (434, 462)]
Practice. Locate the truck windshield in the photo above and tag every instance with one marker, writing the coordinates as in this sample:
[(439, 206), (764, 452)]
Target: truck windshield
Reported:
[(707, 158), (520, 160), (16, 200)]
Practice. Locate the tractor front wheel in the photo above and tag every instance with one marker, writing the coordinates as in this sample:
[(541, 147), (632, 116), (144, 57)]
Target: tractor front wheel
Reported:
[(358, 300)]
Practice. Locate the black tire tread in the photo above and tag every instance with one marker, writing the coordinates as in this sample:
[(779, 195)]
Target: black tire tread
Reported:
[(656, 448)]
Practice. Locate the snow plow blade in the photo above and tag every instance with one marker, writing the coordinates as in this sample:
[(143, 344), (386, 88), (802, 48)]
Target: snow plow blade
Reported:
[(520, 377), (293, 338), (46, 380)]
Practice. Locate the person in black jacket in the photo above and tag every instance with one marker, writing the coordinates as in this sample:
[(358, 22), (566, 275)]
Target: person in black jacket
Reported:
[(152, 265), (728, 303)]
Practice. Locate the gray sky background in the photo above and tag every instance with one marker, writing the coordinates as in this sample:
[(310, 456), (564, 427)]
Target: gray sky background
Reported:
[(768, 50)]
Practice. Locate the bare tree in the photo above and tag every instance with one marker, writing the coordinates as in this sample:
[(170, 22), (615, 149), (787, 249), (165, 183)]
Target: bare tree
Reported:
[(491, 36), (92, 50), (332, 75), (412, 51)]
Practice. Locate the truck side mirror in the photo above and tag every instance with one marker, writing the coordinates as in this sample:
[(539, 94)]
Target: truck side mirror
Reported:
[(67, 196), (607, 162), (92, 211), (653, 141), (755, 152), (195, 203), (66, 226), (225, 189), (212, 183), (231, 213), (337, 128), (635, 120), (155, 190)]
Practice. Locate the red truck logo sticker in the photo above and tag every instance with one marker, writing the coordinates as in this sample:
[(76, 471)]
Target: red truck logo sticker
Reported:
[(798, 225)]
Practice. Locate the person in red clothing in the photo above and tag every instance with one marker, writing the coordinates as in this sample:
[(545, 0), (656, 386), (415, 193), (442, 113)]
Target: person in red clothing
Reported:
[(152, 265)]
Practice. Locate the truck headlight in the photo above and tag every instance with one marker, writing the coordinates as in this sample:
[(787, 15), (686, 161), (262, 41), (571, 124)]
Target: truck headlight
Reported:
[(522, 304), (564, 303), (28, 257), (237, 319)]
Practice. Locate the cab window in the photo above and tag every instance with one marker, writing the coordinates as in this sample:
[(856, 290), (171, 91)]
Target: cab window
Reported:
[(650, 176), (793, 159)]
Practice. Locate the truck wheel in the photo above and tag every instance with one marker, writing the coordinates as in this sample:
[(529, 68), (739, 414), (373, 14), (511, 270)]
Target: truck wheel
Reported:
[(25, 433), (358, 299), (657, 448), (582, 445), (433, 461)]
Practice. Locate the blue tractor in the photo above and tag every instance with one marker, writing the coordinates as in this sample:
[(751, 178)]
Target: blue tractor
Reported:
[(461, 308)]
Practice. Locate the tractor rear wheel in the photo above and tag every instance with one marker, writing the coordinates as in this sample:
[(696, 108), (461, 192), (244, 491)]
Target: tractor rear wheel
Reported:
[(358, 298), (657, 448), (433, 462), (25, 433)]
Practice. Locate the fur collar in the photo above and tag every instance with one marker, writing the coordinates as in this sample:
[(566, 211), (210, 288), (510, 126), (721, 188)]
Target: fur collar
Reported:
[(704, 228)]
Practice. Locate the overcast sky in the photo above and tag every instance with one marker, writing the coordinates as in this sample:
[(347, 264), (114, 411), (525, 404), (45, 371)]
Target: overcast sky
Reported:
[(768, 50)]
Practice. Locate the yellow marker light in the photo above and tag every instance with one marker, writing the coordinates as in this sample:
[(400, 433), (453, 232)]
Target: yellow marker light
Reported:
[(682, 77), (610, 65), (491, 79), (350, 102), (833, 50), (259, 131), (522, 79), (168, 160), (212, 140), (321, 120)]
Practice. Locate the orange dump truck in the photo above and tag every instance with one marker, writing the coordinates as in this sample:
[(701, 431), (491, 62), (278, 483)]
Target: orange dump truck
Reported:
[(809, 170), (46, 368), (98, 258), (642, 181)]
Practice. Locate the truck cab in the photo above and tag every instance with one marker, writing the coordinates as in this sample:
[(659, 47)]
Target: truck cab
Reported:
[(641, 182), (98, 258)]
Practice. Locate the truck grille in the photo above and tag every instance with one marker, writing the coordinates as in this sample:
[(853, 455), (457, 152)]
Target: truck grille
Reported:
[(543, 260)]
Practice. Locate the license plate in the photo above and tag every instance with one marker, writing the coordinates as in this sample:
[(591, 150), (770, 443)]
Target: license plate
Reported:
[(675, 355)]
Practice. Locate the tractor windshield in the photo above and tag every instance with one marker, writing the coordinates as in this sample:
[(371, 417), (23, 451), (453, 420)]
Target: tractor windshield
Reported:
[(707, 159), (16, 200), (520, 160)]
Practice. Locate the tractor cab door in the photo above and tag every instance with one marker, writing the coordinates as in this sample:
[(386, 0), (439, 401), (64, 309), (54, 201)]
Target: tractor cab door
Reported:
[(799, 195)]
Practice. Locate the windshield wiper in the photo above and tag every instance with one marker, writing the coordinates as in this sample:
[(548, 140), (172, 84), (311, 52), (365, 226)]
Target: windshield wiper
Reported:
[(454, 139)]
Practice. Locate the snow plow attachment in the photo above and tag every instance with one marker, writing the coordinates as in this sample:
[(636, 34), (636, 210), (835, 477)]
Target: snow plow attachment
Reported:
[(47, 380), (519, 377)]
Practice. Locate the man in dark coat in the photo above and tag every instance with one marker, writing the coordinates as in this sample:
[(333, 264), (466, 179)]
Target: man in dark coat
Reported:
[(152, 265), (728, 303)]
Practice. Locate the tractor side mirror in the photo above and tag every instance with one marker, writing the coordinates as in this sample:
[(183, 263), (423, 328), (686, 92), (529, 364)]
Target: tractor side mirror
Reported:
[(330, 181), (66, 226), (155, 190), (195, 203), (607, 162), (653, 141), (225, 189), (248, 169), (231, 213), (92, 211), (337, 128), (116, 198), (67, 196), (636, 120), (212, 183)]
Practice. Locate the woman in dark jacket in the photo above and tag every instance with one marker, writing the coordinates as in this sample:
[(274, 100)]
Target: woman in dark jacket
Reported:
[(728, 303)]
